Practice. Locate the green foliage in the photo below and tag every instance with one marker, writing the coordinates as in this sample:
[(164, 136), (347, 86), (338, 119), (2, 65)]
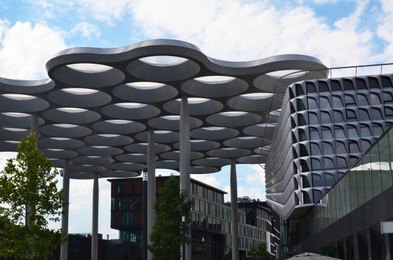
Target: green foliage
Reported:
[(259, 252), (166, 237), (29, 199), (228, 255)]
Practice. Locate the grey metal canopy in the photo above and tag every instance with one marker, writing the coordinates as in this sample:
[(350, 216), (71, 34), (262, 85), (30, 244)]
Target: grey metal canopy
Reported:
[(97, 106)]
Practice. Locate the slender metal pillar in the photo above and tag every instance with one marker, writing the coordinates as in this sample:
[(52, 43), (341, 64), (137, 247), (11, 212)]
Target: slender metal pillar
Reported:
[(234, 218), (151, 187), (144, 214), (94, 236), (34, 124), (185, 182), (387, 247), (64, 217)]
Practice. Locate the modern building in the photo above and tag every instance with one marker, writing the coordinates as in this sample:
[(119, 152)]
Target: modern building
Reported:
[(323, 134), (210, 216), (107, 113)]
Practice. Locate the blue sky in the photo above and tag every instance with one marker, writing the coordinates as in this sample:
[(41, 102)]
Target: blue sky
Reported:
[(338, 32)]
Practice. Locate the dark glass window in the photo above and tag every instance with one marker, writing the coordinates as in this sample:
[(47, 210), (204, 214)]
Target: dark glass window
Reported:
[(338, 117), (339, 132), (316, 164), (387, 97), (301, 120), (310, 87), (312, 103), (363, 115), (303, 150), (348, 84), (314, 135), (362, 99), (317, 180), (313, 118), (337, 102), (374, 99), (329, 179), (327, 148), (361, 83), (351, 115), (300, 105), (325, 117), (302, 135), (326, 133), (336, 86), (329, 164), (349, 100), (376, 114), (325, 103)]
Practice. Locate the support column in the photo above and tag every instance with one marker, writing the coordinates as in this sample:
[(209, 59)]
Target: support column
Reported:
[(369, 247), (387, 247), (234, 218), (151, 187), (34, 124), (185, 182), (355, 246), (64, 217), (144, 215), (94, 236)]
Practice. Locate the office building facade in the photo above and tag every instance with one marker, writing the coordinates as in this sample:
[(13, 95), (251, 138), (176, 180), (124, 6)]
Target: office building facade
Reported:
[(210, 217)]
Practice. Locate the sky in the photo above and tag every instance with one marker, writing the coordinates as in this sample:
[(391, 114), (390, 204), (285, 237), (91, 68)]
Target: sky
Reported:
[(337, 32)]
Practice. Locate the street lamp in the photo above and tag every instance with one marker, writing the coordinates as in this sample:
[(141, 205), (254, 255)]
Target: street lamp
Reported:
[(183, 233)]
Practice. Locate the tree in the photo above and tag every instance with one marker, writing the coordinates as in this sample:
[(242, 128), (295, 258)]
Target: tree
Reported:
[(259, 252), (166, 237), (29, 199)]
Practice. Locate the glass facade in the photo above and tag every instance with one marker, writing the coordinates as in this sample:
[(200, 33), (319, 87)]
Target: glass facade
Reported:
[(370, 176)]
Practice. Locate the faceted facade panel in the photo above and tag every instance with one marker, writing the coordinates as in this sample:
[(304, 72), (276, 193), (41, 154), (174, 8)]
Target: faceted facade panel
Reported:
[(325, 126)]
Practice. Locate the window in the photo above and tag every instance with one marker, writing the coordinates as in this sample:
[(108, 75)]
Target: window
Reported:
[(327, 148), (362, 99), (338, 116), (317, 195), (312, 103), (329, 164), (325, 103), (348, 84), (303, 150), (374, 99), (363, 115), (316, 164), (301, 120), (315, 150), (349, 100), (339, 132), (317, 180), (341, 148), (302, 135), (376, 114), (352, 131), (314, 135), (326, 133), (300, 105), (329, 179), (313, 118), (365, 130), (351, 115), (337, 102), (325, 117)]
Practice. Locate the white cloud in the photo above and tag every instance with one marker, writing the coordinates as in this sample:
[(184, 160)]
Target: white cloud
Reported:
[(86, 30), (385, 30), (105, 10), (25, 49), (238, 30), (209, 179)]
